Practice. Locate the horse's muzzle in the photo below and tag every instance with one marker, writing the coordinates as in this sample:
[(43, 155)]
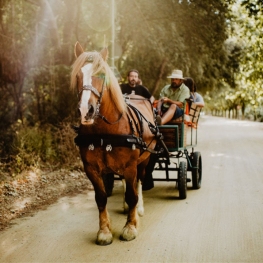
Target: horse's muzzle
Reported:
[(90, 114)]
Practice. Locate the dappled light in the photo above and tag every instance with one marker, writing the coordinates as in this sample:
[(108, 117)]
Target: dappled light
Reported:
[(207, 40)]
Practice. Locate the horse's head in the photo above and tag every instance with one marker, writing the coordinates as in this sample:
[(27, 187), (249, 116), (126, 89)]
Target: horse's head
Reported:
[(88, 75), (98, 88)]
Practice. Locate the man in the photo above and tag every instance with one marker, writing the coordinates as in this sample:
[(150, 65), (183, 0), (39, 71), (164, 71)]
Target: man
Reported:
[(170, 104), (169, 107), (132, 85), (195, 97)]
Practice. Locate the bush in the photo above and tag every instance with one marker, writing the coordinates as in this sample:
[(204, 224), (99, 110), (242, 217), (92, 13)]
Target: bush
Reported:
[(38, 147)]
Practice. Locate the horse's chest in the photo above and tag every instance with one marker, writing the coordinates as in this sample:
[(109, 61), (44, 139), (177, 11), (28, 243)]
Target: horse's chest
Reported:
[(117, 160)]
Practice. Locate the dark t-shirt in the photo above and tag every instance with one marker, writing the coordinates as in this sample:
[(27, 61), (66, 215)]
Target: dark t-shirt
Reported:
[(139, 90)]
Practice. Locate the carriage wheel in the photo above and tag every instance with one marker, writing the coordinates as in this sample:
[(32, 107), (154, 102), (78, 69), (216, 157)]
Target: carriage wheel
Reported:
[(182, 180), (108, 180), (197, 172)]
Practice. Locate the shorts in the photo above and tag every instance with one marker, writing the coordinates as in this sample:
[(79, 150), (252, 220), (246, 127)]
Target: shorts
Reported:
[(178, 113)]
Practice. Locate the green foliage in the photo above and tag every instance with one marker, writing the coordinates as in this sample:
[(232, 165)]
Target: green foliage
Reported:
[(218, 43), (246, 37), (48, 95), (176, 35), (253, 7), (29, 148), (33, 147), (155, 37)]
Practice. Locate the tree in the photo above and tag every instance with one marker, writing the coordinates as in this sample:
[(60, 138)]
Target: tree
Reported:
[(157, 37), (246, 30)]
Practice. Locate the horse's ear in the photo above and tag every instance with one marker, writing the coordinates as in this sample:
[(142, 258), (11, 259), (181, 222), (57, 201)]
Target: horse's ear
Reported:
[(104, 53), (78, 49)]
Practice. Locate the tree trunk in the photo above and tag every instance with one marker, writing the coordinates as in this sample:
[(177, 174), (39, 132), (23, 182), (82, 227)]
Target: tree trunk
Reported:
[(243, 107), (161, 72), (71, 21)]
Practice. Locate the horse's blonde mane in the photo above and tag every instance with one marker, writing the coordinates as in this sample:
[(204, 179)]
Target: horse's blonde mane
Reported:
[(99, 66)]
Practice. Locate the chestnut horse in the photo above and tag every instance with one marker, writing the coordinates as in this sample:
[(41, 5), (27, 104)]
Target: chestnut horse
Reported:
[(116, 135)]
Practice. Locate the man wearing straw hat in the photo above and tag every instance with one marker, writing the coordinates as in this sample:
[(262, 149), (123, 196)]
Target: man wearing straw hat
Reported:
[(169, 107), (172, 97)]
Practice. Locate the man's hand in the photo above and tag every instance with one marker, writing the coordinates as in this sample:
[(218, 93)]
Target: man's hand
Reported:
[(165, 100)]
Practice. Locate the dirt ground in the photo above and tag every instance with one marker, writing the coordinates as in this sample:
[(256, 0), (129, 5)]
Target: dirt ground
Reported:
[(35, 190), (220, 222)]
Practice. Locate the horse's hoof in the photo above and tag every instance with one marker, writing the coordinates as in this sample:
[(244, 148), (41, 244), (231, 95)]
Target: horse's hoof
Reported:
[(129, 233), (104, 243), (125, 208), (140, 211), (104, 239)]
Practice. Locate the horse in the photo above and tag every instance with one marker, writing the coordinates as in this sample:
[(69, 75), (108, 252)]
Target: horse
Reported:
[(117, 134)]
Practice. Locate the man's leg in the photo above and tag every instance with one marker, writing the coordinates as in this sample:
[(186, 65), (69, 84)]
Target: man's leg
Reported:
[(169, 114)]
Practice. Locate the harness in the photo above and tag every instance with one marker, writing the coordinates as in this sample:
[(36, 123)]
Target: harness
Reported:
[(109, 141), (112, 140)]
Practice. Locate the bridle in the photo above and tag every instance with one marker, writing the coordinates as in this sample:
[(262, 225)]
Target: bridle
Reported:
[(99, 95)]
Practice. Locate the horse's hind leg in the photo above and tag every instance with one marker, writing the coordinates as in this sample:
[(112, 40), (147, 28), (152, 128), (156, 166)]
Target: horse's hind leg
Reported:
[(125, 206), (140, 207), (141, 174), (129, 231)]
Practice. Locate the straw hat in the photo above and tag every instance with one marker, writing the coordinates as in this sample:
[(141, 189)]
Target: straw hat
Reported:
[(176, 74)]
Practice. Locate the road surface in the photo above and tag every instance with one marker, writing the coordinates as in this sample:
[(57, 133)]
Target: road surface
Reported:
[(221, 222)]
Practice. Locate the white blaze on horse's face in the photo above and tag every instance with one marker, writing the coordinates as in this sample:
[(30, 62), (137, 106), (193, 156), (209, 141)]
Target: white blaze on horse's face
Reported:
[(84, 106)]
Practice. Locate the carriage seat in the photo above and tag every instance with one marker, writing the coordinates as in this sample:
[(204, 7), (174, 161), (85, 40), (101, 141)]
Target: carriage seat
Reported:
[(179, 132), (176, 121), (190, 117)]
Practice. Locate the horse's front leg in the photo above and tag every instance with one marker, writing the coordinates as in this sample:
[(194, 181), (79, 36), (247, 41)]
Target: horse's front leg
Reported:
[(129, 231), (104, 235)]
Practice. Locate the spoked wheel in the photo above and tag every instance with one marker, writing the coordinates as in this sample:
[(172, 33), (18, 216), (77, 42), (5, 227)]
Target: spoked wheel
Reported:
[(108, 180), (182, 180), (197, 170)]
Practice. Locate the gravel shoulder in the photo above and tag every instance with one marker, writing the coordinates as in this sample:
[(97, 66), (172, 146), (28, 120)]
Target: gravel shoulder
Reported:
[(35, 190)]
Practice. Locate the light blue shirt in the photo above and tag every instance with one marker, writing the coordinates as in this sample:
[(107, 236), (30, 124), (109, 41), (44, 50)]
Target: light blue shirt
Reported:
[(197, 97)]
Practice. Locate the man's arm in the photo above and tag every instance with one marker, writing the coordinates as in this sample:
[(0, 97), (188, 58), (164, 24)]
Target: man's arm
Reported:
[(185, 94), (169, 101), (159, 106)]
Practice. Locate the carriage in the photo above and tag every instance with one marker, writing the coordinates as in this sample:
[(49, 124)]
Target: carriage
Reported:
[(177, 153)]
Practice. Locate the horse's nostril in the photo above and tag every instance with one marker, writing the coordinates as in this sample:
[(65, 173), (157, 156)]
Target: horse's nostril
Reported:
[(91, 109), (90, 113)]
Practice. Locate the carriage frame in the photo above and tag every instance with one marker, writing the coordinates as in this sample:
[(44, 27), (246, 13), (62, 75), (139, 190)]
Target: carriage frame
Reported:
[(180, 139)]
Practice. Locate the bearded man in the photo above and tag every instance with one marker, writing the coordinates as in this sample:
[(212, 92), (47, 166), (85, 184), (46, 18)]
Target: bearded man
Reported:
[(170, 104), (134, 85)]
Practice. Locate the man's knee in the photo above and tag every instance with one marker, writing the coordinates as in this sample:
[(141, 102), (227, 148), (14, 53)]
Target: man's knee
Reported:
[(173, 107)]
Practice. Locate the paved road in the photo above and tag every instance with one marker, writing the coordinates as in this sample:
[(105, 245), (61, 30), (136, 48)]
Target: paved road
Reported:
[(221, 222)]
